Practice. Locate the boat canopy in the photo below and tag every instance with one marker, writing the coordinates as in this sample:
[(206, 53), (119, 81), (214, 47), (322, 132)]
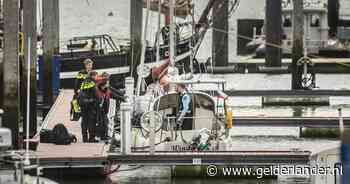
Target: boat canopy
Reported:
[(203, 108)]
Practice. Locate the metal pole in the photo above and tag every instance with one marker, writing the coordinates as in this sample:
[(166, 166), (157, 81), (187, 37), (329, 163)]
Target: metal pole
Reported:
[(171, 33), (298, 34), (27, 161), (158, 34), (143, 52), (152, 135)]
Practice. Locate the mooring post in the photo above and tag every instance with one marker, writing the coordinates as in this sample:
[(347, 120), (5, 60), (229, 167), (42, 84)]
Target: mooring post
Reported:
[(298, 35), (1, 57), (341, 122), (126, 115), (11, 77), (273, 28), (220, 33), (333, 16), (29, 30), (1, 115), (136, 12), (51, 30), (125, 120)]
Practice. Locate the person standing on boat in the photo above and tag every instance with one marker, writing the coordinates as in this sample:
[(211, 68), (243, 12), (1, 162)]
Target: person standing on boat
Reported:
[(88, 103), (185, 116)]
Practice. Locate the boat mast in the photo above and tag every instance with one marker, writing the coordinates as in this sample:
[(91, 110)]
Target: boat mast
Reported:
[(143, 52), (158, 34), (171, 33)]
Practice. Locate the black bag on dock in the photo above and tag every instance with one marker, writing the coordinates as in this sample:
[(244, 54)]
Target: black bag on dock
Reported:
[(62, 136), (47, 136)]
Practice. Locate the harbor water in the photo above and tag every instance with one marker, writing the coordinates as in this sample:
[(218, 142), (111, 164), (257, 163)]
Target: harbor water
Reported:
[(89, 17)]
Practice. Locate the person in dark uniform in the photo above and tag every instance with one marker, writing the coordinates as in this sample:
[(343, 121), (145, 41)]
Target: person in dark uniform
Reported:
[(82, 74), (88, 102), (185, 116), (75, 111)]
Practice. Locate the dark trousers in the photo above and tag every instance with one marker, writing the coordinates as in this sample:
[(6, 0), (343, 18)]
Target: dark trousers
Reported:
[(187, 123), (102, 126), (88, 126)]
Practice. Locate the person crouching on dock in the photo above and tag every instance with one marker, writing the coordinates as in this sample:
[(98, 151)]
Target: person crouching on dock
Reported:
[(88, 102)]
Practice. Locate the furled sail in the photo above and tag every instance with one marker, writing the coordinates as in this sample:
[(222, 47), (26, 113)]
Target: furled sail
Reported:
[(183, 7)]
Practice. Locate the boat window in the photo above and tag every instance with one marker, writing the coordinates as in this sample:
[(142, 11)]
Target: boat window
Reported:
[(287, 21), (315, 21), (171, 101)]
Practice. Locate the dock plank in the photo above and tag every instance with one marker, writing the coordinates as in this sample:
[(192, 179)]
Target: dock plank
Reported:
[(50, 154)]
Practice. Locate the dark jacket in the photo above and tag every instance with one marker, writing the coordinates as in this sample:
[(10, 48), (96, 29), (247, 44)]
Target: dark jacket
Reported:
[(103, 96)]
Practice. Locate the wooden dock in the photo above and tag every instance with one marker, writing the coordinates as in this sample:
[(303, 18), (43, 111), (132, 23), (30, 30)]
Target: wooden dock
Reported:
[(76, 154)]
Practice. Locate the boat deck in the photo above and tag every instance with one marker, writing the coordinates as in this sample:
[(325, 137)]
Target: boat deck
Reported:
[(76, 154)]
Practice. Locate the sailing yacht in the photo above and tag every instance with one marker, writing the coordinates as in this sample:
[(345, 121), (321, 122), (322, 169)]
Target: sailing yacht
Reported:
[(157, 104)]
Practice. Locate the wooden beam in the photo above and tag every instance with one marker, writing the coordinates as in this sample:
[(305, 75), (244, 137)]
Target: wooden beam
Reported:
[(298, 35), (136, 11), (30, 30), (220, 33), (51, 30), (273, 25), (11, 98)]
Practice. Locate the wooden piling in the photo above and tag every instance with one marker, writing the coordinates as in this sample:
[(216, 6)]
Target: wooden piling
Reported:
[(29, 30), (136, 14), (298, 34), (50, 45), (1, 56), (273, 28), (333, 16), (220, 33), (11, 97)]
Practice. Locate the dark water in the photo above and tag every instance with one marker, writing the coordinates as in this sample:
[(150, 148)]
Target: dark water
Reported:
[(182, 181)]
